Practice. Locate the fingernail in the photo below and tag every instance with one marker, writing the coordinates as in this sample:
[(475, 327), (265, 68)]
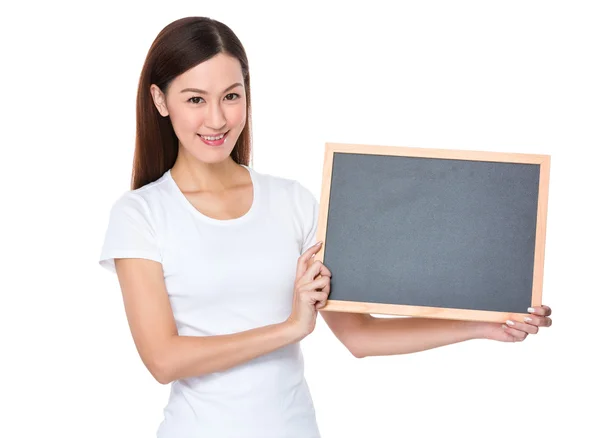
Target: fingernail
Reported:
[(509, 322), (530, 309), (528, 319), (318, 243)]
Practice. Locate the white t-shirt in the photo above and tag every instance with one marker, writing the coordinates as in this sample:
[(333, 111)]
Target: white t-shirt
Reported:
[(223, 277)]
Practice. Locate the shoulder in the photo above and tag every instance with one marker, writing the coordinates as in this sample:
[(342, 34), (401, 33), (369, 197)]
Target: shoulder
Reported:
[(290, 188), (272, 180), (139, 202)]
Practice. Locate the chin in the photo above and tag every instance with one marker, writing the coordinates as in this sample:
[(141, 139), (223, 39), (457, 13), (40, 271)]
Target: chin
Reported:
[(214, 158)]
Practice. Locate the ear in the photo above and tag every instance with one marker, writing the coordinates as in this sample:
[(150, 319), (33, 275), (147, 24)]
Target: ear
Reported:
[(160, 101)]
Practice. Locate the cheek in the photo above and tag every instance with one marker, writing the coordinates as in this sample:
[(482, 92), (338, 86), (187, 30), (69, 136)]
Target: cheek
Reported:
[(237, 115), (185, 120)]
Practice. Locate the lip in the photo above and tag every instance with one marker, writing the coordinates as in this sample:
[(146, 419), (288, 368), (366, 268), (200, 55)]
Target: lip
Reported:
[(213, 135), (215, 143)]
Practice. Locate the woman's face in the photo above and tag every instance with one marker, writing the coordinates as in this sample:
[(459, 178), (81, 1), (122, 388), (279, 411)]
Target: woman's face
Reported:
[(207, 100)]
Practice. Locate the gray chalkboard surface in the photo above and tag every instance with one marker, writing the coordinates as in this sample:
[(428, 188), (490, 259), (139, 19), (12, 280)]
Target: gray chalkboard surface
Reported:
[(433, 233)]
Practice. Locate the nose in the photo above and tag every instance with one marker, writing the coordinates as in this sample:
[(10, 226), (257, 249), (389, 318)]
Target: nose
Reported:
[(215, 117)]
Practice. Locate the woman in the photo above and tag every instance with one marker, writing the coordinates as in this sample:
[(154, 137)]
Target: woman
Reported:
[(215, 259)]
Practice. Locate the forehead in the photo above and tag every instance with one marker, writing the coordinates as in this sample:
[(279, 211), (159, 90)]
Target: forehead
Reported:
[(212, 75)]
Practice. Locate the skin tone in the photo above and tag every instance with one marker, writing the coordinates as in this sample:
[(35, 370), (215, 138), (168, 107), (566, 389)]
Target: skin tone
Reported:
[(208, 99), (222, 189)]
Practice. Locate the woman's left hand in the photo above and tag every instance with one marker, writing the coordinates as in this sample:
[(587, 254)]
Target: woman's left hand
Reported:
[(517, 331)]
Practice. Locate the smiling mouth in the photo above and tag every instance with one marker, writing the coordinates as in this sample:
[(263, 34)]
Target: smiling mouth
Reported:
[(213, 137)]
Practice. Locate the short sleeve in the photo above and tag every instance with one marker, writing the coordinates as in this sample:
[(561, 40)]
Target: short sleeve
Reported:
[(311, 219), (130, 233)]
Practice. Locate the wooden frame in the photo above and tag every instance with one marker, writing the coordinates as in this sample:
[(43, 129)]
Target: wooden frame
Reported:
[(434, 312)]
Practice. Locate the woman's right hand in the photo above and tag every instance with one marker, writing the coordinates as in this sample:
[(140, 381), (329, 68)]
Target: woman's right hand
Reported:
[(310, 294)]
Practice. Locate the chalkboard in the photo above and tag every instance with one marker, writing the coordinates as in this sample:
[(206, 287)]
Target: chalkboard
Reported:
[(434, 233)]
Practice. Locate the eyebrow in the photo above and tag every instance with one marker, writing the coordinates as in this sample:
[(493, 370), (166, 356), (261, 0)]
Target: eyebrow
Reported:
[(197, 90)]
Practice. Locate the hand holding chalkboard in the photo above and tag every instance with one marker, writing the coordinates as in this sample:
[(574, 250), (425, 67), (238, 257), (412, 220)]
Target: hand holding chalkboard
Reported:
[(434, 233), (310, 292), (515, 331)]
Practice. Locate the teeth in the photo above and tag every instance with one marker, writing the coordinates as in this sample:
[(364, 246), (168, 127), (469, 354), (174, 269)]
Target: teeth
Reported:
[(213, 138)]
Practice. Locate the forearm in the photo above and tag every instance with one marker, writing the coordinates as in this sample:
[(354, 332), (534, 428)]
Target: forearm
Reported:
[(389, 336), (189, 356)]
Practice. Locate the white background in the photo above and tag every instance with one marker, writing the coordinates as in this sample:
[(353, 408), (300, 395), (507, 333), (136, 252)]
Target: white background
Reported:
[(511, 76)]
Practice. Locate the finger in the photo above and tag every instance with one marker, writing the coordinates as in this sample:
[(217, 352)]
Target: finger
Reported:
[(540, 310), (324, 269), (540, 321), (522, 326), (516, 334), (325, 289), (314, 270), (314, 297), (303, 260), (319, 283), (320, 299)]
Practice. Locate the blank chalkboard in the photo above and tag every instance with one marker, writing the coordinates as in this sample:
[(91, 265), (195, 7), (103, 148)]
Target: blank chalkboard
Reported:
[(433, 233)]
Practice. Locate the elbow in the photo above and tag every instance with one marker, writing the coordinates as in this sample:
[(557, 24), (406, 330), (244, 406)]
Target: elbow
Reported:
[(355, 348), (162, 378), (161, 364), (356, 341), (353, 330), (160, 370), (358, 354)]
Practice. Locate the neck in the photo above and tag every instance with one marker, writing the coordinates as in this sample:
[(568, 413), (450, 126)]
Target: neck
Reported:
[(193, 175)]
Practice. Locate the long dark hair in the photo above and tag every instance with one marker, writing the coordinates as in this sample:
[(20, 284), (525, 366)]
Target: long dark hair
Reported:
[(181, 45)]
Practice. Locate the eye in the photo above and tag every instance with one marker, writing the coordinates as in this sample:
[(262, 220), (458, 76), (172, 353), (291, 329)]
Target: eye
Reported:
[(194, 99), (233, 94)]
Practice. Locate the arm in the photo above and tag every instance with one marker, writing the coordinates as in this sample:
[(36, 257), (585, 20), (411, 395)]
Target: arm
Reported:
[(365, 335), (169, 356)]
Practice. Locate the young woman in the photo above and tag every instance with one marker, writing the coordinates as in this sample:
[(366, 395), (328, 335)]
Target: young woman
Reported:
[(214, 259)]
